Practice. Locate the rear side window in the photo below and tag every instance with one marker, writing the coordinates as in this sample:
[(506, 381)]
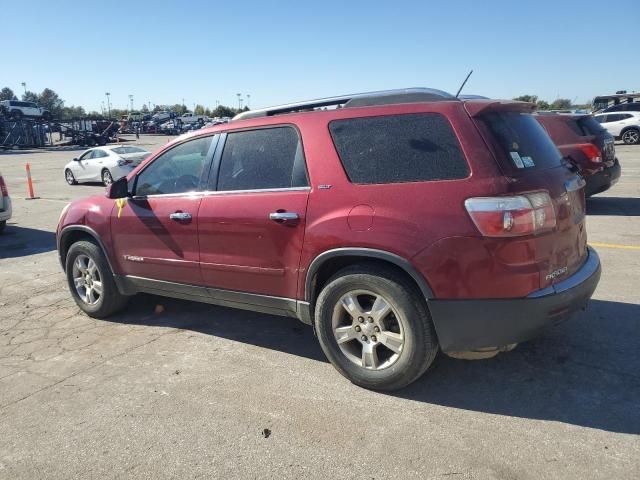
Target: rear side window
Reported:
[(523, 142), (262, 159), (590, 126), (398, 148)]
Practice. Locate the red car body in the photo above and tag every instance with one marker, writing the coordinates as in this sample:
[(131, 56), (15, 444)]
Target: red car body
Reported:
[(481, 290)]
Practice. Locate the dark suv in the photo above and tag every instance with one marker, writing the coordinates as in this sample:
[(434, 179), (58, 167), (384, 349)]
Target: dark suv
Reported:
[(398, 224), (587, 145)]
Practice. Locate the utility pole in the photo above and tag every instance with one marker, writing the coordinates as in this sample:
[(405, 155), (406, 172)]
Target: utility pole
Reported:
[(108, 104), (131, 100), (24, 84)]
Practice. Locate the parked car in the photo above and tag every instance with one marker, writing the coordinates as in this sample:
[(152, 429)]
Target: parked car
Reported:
[(624, 126), (17, 110), (364, 221), (587, 145), (193, 118), (5, 204), (623, 107), (163, 116), (135, 117), (104, 164)]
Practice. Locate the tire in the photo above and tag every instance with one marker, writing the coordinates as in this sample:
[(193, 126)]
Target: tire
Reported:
[(3, 225), (631, 136), (68, 176), (91, 258), (107, 179), (406, 326)]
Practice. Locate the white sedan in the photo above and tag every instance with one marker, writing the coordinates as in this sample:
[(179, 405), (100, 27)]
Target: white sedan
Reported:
[(104, 164)]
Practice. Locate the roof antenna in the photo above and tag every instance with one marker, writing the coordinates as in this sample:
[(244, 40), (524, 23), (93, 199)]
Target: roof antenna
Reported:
[(463, 83)]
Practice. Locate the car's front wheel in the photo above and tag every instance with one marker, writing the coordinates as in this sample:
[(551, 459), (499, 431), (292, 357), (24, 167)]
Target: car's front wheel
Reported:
[(107, 179), (374, 327), (91, 281), (68, 176), (631, 136)]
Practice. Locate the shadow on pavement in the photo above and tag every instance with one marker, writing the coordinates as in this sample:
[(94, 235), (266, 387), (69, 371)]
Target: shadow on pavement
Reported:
[(283, 334), (624, 206), (584, 372), (18, 241)]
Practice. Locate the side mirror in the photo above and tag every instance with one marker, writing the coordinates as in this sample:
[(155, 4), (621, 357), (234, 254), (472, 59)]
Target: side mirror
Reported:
[(76, 160), (119, 189)]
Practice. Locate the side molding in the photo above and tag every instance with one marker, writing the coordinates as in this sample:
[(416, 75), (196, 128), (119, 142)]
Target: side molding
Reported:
[(397, 260)]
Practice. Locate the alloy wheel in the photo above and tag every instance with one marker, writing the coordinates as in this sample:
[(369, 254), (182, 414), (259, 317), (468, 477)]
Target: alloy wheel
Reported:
[(87, 280), (368, 329), (106, 178), (69, 177), (631, 137)]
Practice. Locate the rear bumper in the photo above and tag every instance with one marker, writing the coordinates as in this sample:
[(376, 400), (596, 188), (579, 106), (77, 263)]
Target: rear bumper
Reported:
[(603, 180), (464, 325), (5, 208)]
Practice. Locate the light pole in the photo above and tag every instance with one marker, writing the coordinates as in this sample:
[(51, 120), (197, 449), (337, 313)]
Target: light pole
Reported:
[(239, 100), (24, 84), (131, 100), (248, 100), (108, 104), (102, 107)]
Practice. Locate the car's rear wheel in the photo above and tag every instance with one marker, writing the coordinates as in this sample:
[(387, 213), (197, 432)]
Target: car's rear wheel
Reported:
[(91, 281), (107, 179), (68, 176), (375, 328), (631, 136)]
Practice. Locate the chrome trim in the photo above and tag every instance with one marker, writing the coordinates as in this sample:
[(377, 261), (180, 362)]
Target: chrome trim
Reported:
[(586, 271), (207, 193)]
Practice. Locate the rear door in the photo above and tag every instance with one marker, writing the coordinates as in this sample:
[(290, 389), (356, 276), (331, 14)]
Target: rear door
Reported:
[(251, 227), (531, 161), (156, 234)]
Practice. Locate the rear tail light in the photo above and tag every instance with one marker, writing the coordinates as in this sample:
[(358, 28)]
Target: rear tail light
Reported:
[(592, 152), (3, 187), (528, 214), (122, 162)]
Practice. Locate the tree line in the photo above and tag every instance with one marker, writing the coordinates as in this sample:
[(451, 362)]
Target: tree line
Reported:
[(558, 104), (51, 101)]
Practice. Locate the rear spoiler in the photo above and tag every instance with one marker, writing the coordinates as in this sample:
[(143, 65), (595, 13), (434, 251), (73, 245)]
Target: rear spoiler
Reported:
[(476, 108)]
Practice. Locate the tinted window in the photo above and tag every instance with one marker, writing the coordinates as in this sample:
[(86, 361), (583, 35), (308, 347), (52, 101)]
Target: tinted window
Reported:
[(128, 149), (616, 117), (86, 155), (601, 118), (398, 148), (99, 154), (590, 125), (522, 141), (176, 171), (262, 159)]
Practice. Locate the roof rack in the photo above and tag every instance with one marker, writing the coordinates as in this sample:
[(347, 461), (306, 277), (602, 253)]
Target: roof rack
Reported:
[(382, 97)]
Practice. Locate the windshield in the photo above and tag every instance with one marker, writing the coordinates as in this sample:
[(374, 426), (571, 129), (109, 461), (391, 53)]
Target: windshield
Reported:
[(521, 142)]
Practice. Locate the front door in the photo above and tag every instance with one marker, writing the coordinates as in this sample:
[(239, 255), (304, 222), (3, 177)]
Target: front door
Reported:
[(251, 228), (156, 235)]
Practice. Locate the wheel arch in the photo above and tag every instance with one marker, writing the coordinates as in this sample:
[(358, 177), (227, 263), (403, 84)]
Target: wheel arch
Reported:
[(324, 265), (76, 233)]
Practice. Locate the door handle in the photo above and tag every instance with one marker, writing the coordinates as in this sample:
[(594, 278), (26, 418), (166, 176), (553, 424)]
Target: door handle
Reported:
[(180, 216), (284, 217)]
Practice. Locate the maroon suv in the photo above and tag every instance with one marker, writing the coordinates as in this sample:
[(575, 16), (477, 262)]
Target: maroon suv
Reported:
[(400, 223)]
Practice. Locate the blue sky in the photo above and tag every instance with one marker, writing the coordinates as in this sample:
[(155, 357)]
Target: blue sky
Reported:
[(280, 51)]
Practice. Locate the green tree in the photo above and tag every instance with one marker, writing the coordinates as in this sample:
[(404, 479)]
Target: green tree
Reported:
[(7, 94), (51, 101), (145, 109), (527, 98), (199, 110), (179, 109), (223, 111), (561, 104), (30, 96), (72, 112), (542, 105)]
